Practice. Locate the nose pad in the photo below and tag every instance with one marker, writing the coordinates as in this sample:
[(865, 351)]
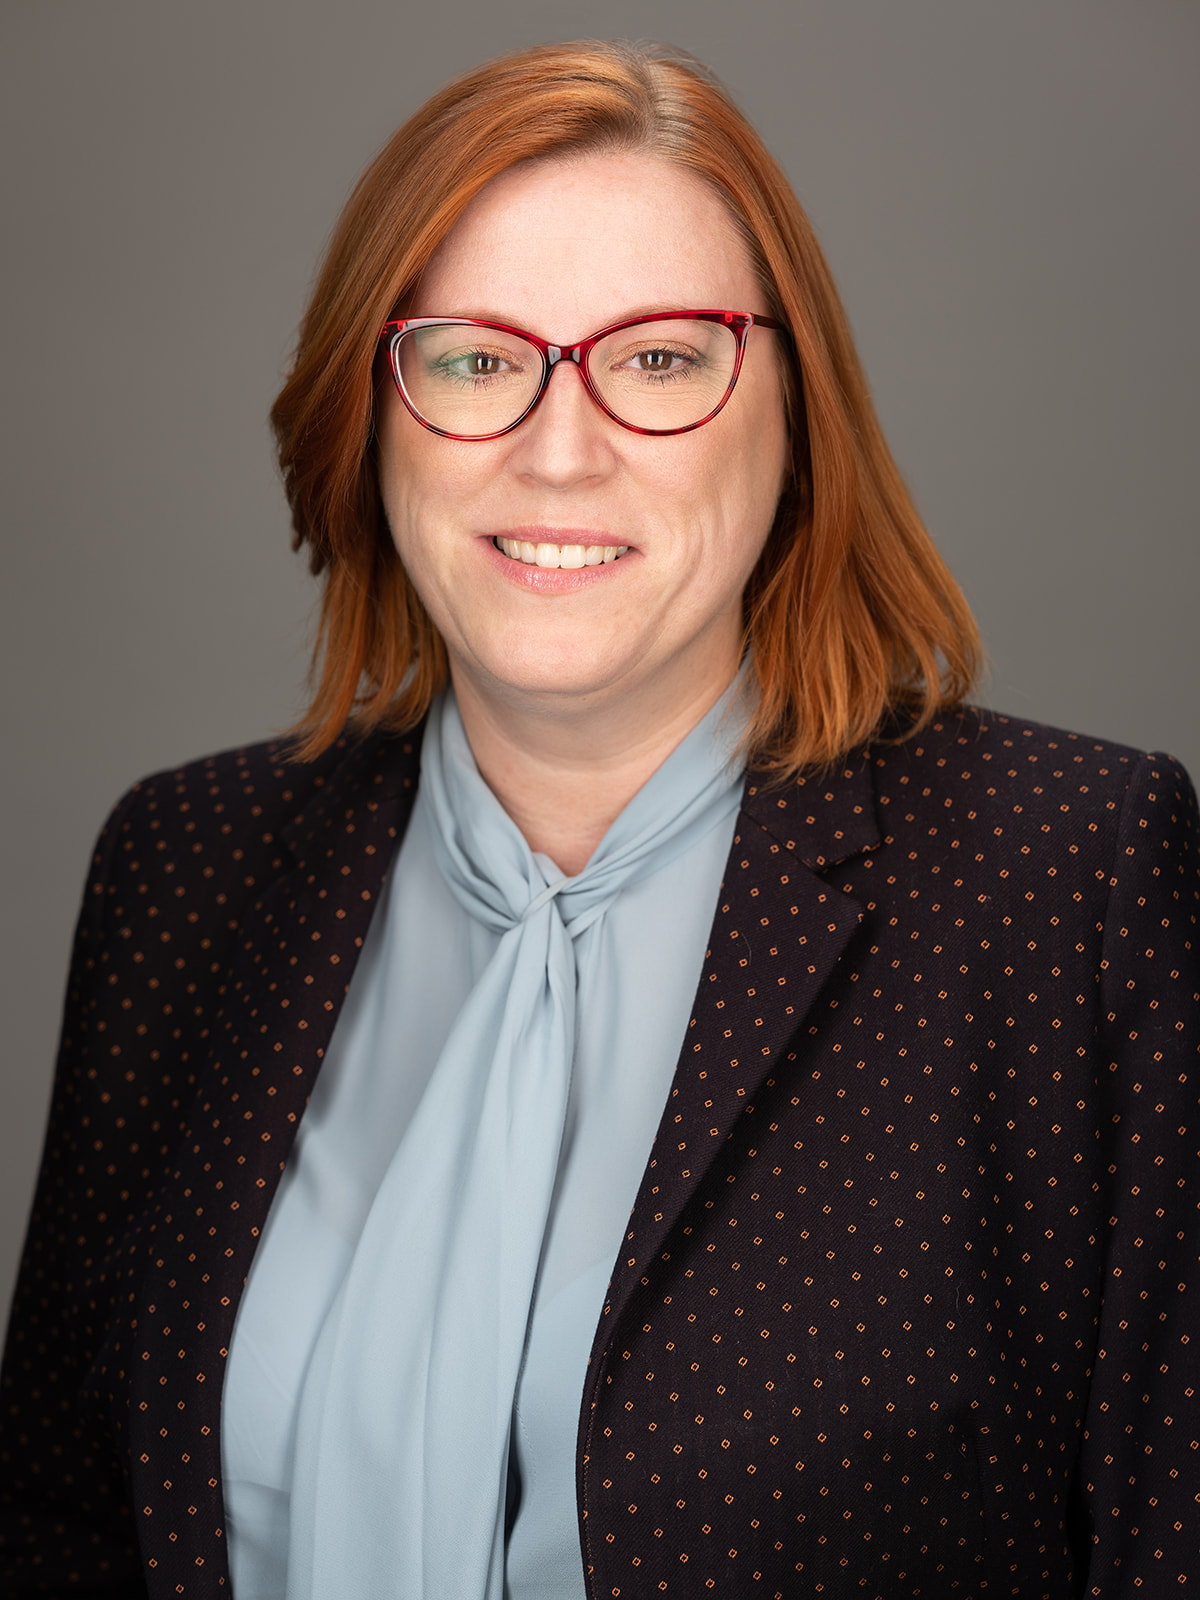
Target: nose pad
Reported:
[(561, 356), (564, 358)]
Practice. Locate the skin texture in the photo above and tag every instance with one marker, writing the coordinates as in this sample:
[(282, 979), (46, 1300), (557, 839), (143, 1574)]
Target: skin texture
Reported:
[(574, 687)]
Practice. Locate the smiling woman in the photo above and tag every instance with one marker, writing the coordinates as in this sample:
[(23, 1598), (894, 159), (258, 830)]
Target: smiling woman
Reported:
[(648, 1092), (647, 641), (882, 620)]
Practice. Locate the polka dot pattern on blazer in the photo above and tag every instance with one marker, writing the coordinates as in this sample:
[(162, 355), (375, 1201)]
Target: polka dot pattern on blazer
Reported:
[(909, 1302)]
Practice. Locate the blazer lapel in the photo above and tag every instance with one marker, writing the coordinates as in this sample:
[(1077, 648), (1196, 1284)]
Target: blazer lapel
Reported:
[(778, 931), (284, 990)]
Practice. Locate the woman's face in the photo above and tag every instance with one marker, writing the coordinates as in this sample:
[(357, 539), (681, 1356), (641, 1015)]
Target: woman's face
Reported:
[(564, 249)]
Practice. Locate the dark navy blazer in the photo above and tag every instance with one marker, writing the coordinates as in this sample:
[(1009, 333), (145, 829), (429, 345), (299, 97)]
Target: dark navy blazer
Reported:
[(909, 1304)]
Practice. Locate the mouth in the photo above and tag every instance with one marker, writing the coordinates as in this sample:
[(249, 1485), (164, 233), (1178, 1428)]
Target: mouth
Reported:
[(560, 555)]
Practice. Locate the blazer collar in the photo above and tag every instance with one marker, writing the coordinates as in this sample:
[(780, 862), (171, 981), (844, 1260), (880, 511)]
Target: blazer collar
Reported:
[(376, 775), (820, 819)]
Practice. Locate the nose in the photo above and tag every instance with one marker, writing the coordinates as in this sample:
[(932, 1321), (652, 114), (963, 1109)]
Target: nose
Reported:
[(566, 438)]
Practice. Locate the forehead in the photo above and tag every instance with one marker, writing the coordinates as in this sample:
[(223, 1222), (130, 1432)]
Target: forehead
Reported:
[(564, 247)]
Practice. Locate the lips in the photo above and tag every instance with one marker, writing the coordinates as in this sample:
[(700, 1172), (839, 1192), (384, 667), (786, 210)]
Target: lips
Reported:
[(560, 555)]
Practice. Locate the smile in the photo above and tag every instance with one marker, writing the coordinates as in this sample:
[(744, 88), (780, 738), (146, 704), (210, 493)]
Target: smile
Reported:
[(560, 555)]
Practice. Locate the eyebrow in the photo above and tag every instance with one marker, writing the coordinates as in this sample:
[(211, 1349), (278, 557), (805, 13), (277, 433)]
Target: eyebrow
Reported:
[(650, 308)]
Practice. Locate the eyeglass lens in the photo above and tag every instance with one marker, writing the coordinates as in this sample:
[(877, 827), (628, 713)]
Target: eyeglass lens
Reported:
[(655, 375)]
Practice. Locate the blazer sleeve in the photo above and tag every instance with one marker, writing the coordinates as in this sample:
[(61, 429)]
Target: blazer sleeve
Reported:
[(1137, 1503), (66, 1525)]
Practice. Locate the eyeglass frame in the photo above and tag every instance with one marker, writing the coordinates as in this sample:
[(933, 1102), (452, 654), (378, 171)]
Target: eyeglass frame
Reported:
[(739, 323)]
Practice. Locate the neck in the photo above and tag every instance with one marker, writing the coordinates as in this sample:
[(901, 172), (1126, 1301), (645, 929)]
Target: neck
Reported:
[(565, 776)]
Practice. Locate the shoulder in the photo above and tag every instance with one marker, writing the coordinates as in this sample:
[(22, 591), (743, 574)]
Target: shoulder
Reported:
[(971, 783), (1035, 814), (973, 742), (1020, 775), (229, 804), (221, 824), (261, 787), (243, 783)]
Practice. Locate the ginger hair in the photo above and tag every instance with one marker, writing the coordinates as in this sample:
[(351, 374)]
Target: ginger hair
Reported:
[(851, 614)]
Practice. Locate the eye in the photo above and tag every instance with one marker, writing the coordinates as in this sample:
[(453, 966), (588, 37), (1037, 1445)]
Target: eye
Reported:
[(660, 361), (482, 364), (656, 360), (477, 364), (479, 367)]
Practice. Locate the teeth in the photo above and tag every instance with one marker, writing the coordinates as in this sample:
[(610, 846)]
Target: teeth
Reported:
[(560, 555)]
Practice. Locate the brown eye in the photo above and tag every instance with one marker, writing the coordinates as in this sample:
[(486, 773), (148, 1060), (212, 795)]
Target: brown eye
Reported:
[(660, 361)]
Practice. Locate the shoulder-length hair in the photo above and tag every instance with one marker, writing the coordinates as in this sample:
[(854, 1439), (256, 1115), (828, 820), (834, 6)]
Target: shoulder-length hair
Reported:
[(850, 614)]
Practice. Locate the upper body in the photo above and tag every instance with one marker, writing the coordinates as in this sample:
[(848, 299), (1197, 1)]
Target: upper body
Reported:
[(906, 1270), (918, 1221)]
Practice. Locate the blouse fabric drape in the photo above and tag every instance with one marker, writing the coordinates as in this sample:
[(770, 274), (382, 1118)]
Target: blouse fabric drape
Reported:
[(425, 956)]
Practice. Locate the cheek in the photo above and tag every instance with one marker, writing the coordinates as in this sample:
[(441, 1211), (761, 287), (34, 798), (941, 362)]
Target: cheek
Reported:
[(428, 483), (395, 466), (757, 450), (416, 490), (772, 437), (751, 471), (413, 521)]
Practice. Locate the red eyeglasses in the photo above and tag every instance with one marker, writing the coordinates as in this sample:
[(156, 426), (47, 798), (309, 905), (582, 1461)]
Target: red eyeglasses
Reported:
[(668, 372)]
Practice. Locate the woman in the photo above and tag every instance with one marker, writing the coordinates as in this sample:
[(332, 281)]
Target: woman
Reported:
[(645, 891)]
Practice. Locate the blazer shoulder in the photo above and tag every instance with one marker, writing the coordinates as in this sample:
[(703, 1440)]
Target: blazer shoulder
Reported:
[(969, 774), (988, 781), (263, 787), (983, 747), (242, 783), (222, 823), (978, 729)]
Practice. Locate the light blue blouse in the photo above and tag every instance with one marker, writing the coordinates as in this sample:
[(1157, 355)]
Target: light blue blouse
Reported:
[(421, 958)]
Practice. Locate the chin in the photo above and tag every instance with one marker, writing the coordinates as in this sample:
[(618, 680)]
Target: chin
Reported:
[(557, 686), (556, 676)]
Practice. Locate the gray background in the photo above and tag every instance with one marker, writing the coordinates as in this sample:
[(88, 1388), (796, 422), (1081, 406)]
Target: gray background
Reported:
[(1007, 193)]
